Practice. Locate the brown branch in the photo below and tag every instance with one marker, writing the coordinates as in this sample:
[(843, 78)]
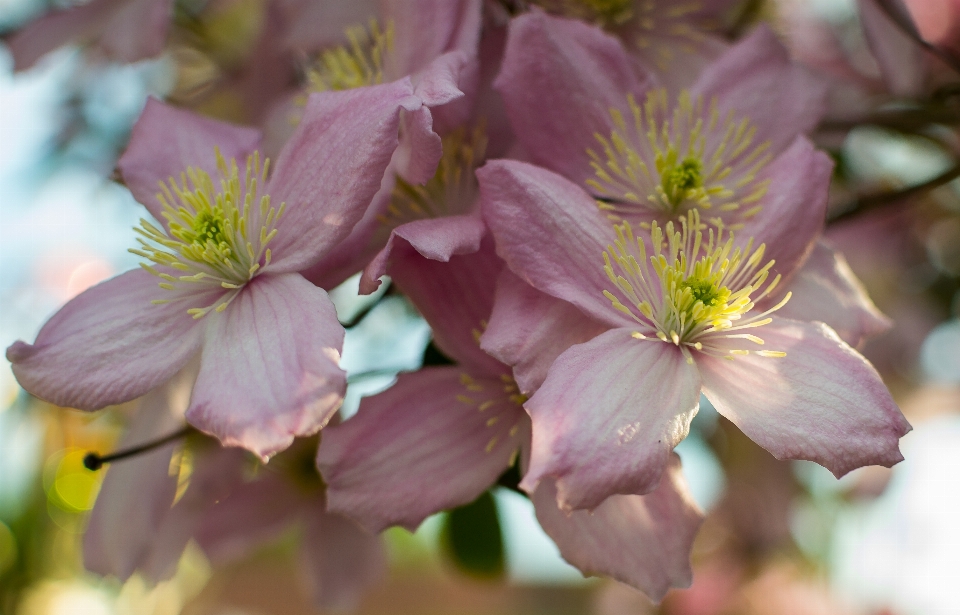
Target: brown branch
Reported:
[(876, 201)]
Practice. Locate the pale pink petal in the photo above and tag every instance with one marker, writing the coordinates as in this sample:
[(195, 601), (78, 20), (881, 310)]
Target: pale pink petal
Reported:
[(109, 344), (57, 28), (456, 298), (900, 57), (822, 402), (138, 30), (825, 289), (756, 79), (420, 148), (166, 140), (641, 540), (332, 166), (322, 24), (551, 234), (607, 417), (252, 514), (426, 29), (794, 208), (434, 238), (429, 443), (269, 368), (528, 330), (216, 473), (137, 493), (559, 79), (340, 561)]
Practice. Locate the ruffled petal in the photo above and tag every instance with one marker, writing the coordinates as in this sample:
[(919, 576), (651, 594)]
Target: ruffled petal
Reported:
[(456, 298), (607, 417), (794, 208), (528, 330), (757, 80), (641, 540), (559, 79), (108, 345), (137, 494), (551, 234), (166, 140), (437, 239), (825, 289), (823, 402), (434, 440), (269, 369), (332, 166), (340, 560), (420, 148)]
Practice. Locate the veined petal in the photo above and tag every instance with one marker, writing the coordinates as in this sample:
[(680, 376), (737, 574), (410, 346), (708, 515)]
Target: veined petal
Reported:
[(332, 166), (340, 560), (269, 369), (528, 330), (757, 80), (426, 29), (559, 79), (822, 402), (825, 289), (551, 234), (108, 345), (166, 140), (795, 206), (456, 298), (419, 149), (437, 239), (428, 443), (607, 417), (137, 494), (641, 540)]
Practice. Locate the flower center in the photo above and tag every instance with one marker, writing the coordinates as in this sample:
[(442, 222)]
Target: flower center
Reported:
[(451, 191), (604, 13), (696, 290), (499, 402), (216, 239), (669, 160), (358, 64)]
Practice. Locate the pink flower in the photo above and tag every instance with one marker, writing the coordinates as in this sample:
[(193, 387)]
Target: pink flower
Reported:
[(441, 436), (676, 310), (225, 249)]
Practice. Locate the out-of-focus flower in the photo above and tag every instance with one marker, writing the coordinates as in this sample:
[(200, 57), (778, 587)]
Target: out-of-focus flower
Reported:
[(442, 436), (226, 253), (610, 410)]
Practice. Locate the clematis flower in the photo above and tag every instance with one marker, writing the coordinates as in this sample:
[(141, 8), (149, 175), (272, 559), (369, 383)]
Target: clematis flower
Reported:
[(219, 275), (681, 317), (145, 514), (441, 436), (730, 146)]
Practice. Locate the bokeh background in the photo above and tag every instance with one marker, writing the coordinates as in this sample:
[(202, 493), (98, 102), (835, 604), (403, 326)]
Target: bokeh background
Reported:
[(780, 538)]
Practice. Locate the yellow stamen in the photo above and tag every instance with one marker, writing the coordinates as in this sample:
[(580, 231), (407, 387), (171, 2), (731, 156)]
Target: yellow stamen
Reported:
[(358, 64)]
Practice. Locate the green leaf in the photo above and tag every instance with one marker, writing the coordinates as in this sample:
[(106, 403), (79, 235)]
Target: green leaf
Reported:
[(472, 537)]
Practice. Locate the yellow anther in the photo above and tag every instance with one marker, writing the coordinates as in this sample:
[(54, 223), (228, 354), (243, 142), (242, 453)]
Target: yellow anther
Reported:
[(358, 64)]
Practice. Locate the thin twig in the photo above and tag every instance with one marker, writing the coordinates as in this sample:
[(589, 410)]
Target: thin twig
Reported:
[(872, 202)]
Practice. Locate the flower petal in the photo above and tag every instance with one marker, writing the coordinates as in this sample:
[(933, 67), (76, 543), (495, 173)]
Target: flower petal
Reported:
[(551, 234), (456, 298), (166, 140), (426, 29), (58, 28), (899, 56), (641, 540), (108, 345), (528, 330), (137, 494), (420, 148), (825, 289), (559, 79), (332, 166), (138, 30), (607, 417), (428, 443), (794, 208), (437, 239), (340, 560), (822, 402), (756, 79), (269, 369)]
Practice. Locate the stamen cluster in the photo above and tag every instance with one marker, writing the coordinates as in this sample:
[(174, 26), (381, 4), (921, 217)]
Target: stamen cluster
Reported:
[(696, 288), (217, 238), (356, 65)]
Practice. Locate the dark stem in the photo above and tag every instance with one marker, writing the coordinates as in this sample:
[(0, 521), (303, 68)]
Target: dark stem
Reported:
[(93, 461), (875, 201)]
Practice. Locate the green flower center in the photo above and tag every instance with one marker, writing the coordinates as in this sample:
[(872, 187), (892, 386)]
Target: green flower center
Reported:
[(682, 181)]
